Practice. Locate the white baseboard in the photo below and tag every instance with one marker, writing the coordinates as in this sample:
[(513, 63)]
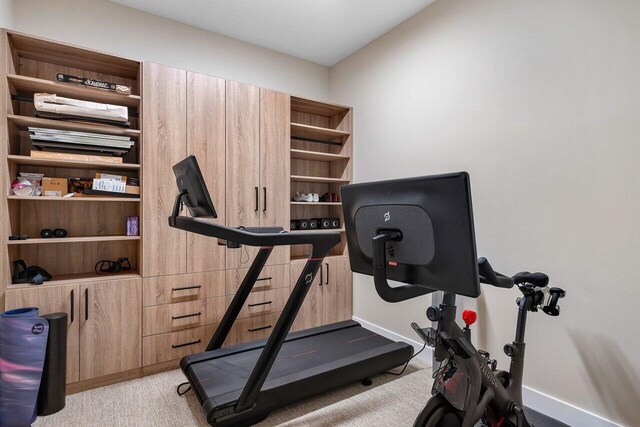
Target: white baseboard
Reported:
[(426, 356), (548, 405)]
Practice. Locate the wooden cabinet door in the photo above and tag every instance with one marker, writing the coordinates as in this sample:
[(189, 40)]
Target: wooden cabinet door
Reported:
[(337, 291), (275, 129), (206, 140), (110, 327), (54, 299), (243, 164), (310, 314), (164, 144)]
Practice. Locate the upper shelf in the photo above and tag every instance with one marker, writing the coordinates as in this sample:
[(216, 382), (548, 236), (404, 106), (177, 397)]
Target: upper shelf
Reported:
[(315, 132), (316, 155), (84, 239), (24, 122), (75, 164), (316, 107), (23, 85), (319, 179), (74, 199)]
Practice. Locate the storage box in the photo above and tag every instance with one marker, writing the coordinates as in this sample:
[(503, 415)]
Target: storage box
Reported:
[(54, 186), (132, 189)]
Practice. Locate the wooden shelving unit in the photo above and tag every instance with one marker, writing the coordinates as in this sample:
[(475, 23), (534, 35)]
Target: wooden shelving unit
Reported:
[(85, 239), (321, 162), (75, 164), (27, 86), (44, 199), (97, 224)]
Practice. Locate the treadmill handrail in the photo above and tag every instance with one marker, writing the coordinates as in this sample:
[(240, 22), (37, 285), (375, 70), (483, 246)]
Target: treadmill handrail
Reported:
[(319, 240)]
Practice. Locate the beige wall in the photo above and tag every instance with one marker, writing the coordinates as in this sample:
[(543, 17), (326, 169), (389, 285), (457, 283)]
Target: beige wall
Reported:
[(540, 101), (99, 24), (6, 13)]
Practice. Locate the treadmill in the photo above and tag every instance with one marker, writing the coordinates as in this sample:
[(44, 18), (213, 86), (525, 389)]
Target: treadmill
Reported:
[(241, 384)]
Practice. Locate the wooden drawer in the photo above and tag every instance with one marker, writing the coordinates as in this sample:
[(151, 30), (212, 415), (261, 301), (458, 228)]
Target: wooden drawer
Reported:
[(183, 287), (175, 345), (272, 277), (263, 302), (252, 328), (159, 319)]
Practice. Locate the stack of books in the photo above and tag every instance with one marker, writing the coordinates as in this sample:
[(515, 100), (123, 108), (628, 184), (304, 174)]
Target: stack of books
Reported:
[(85, 143)]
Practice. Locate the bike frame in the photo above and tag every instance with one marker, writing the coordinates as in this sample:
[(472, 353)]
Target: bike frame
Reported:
[(505, 400)]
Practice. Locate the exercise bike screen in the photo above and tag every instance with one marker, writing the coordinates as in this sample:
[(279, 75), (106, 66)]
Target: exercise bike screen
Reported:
[(434, 216)]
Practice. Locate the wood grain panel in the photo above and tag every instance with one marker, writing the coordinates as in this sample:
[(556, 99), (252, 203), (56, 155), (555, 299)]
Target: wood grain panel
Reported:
[(206, 133), (159, 319), (263, 302), (251, 328), (275, 110), (310, 314), (110, 327), (337, 294), (55, 299), (183, 287), (164, 109), (175, 345), (243, 164), (272, 277), (5, 177)]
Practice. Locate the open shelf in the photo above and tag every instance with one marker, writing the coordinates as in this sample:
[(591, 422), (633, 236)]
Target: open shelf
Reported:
[(316, 203), (318, 179), (75, 164), (317, 156), (316, 132), (74, 199), (23, 85), (85, 239), (68, 279), (24, 122), (318, 230), (316, 107)]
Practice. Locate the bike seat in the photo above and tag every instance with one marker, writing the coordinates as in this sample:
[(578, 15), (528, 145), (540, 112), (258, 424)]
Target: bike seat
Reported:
[(536, 279)]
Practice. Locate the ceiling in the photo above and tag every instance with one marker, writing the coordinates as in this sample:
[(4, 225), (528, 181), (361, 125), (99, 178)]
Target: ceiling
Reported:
[(322, 31)]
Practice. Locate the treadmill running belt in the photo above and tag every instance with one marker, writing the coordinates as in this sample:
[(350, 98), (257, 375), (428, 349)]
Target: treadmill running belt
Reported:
[(220, 380)]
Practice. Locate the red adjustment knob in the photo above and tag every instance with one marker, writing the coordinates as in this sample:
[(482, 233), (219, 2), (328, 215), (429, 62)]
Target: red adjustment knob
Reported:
[(469, 317)]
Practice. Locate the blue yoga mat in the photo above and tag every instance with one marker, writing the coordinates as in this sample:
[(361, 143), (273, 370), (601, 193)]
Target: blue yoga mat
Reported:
[(23, 344)]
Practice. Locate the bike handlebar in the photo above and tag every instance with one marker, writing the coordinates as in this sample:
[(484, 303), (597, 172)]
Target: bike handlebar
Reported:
[(491, 277)]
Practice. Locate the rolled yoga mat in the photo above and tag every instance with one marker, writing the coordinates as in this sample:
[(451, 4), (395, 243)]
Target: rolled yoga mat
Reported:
[(23, 343), (53, 390)]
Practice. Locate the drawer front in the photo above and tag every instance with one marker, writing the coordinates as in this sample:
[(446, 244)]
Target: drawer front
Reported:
[(183, 287), (272, 277), (175, 345), (252, 328), (163, 318), (262, 302)]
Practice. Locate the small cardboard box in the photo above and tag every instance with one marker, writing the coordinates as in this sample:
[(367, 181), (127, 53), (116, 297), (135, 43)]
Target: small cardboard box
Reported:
[(132, 189), (54, 186)]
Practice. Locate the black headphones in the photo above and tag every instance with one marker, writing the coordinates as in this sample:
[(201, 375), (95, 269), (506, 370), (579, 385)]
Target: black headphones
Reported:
[(47, 233)]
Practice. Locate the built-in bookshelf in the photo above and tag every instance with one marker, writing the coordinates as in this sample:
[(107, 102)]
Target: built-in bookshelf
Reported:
[(96, 226), (321, 162)]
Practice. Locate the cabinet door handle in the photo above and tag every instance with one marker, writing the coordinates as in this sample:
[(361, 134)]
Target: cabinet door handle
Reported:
[(260, 328), (256, 210), (86, 303), (184, 288), (260, 303), (184, 316), (262, 279), (186, 344), (321, 275), (264, 191), (73, 305), (327, 282)]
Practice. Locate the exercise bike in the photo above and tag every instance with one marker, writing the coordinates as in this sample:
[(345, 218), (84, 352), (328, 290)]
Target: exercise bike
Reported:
[(468, 387), (420, 231)]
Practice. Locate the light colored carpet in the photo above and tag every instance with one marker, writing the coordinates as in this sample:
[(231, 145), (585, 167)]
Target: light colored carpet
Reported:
[(152, 401)]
